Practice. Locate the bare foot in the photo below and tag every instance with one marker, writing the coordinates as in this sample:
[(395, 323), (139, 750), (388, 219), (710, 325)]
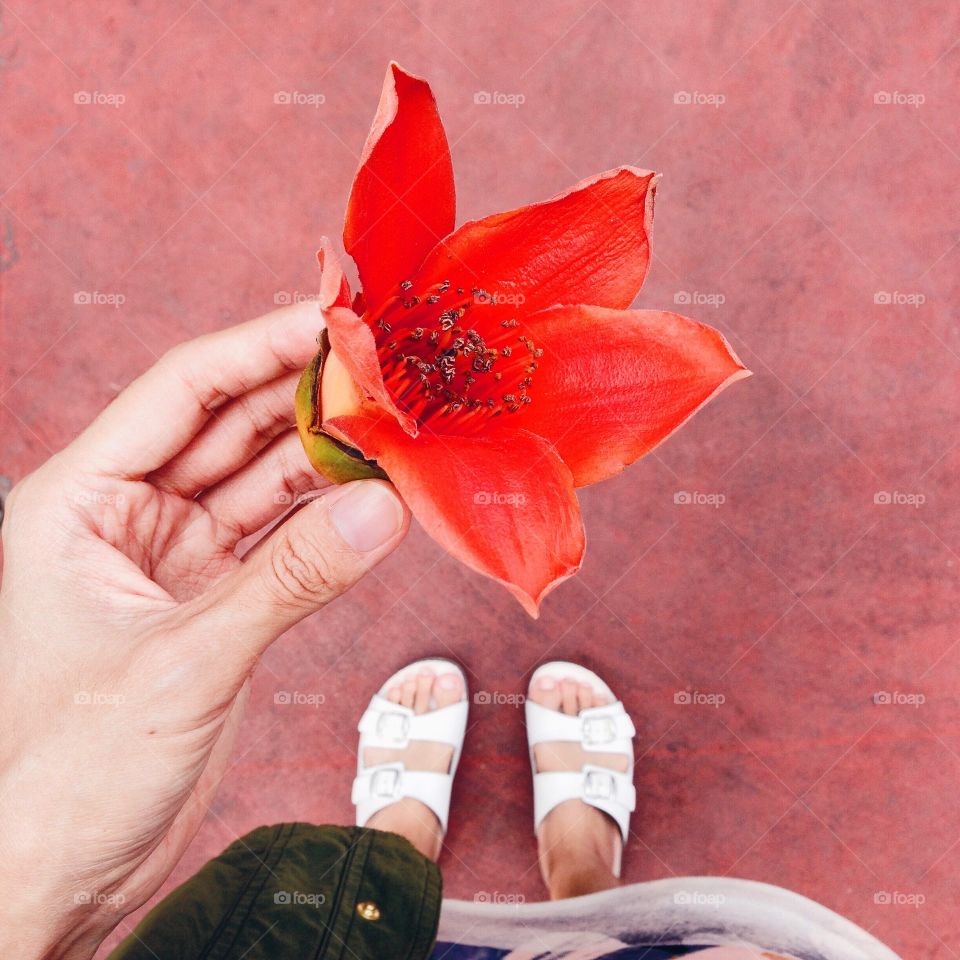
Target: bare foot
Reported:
[(579, 846), (409, 817)]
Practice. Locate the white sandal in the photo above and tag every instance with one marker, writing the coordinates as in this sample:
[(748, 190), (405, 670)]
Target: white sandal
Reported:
[(392, 726), (605, 729)]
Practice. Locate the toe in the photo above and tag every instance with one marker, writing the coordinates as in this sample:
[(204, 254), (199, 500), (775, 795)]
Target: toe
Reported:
[(421, 702), (585, 696), (568, 696), (393, 694), (546, 692), (408, 692), (447, 689)]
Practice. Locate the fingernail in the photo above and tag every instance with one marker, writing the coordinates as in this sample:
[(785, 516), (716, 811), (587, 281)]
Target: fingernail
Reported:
[(367, 516), (547, 683)]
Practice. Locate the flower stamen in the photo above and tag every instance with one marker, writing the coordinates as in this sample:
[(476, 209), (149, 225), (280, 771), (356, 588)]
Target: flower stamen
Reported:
[(436, 364)]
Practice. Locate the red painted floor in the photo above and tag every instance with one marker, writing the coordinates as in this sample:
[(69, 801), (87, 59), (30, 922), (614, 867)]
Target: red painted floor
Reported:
[(788, 214)]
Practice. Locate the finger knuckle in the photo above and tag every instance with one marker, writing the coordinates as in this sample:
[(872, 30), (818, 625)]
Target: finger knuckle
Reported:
[(296, 474), (265, 419), (180, 364), (174, 357), (301, 571)]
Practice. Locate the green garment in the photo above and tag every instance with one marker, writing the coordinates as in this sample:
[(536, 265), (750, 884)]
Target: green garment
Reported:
[(299, 892)]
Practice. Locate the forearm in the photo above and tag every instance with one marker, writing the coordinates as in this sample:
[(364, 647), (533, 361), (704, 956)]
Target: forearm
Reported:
[(39, 923), (46, 912)]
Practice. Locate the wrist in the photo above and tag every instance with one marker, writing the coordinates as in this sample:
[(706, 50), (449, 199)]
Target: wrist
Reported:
[(76, 946), (37, 935), (48, 911), (42, 919)]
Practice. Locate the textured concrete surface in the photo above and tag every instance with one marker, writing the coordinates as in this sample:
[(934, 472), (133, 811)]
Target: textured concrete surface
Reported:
[(812, 221)]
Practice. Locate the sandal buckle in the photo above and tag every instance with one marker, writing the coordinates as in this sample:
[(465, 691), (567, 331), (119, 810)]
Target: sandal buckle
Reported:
[(598, 730), (598, 785), (385, 783), (393, 726)]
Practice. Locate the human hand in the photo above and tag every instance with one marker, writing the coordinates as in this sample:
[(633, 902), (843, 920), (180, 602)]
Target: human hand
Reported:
[(129, 627)]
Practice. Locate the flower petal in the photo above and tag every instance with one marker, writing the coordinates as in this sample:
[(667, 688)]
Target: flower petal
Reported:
[(402, 201), (612, 384), (588, 245), (334, 287), (504, 504), (352, 341)]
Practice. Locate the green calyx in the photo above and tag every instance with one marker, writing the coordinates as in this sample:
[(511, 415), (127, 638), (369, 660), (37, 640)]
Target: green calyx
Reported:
[(329, 456)]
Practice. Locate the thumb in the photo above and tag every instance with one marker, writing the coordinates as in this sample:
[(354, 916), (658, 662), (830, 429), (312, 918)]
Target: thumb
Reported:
[(317, 554)]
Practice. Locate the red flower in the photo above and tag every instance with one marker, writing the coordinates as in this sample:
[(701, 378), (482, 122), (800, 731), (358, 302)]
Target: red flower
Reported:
[(489, 371)]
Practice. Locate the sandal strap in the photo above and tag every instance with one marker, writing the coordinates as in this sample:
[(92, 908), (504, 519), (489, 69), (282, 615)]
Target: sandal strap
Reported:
[(606, 729), (608, 790), (380, 786), (392, 726)]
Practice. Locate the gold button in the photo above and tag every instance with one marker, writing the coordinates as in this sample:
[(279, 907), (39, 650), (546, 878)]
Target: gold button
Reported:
[(368, 910)]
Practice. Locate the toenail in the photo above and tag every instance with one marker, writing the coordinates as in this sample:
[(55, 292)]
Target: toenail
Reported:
[(448, 681), (547, 683)]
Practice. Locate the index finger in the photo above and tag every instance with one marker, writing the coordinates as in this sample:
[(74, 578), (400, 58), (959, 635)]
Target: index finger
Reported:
[(161, 411)]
